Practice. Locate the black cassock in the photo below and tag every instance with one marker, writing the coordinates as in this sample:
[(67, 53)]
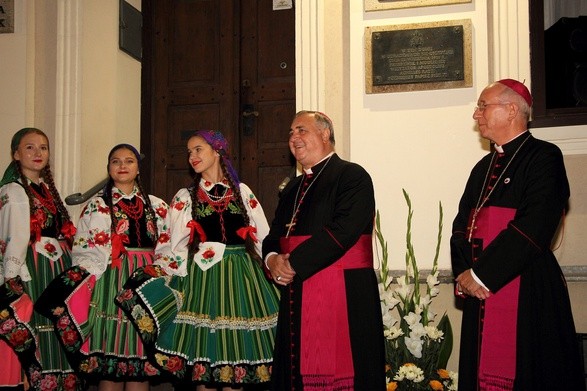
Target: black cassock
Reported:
[(534, 188), (336, 210)]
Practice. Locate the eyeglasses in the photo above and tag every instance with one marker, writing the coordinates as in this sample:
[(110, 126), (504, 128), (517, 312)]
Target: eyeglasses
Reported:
[(482, 106)]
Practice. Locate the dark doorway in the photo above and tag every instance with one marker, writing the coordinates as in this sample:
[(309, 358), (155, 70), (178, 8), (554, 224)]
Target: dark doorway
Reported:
[(558, 65), (227, 65)]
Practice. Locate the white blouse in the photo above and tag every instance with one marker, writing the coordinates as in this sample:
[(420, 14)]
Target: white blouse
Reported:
[(92, 246), (181, 213)]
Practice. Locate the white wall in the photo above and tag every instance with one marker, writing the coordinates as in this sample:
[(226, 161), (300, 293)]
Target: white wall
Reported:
[(62, 71), (111, 83), (111, 89), (424, 141), (14, 81)]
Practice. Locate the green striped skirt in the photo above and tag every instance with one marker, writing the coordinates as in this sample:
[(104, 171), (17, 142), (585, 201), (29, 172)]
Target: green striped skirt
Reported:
[(101, 342), (214, 327)]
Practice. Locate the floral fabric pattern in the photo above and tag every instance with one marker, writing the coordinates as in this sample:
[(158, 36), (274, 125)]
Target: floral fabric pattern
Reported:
[(93, 244), (222, 344), (49, 247), (174, 261), (30, 245), (91, 328)]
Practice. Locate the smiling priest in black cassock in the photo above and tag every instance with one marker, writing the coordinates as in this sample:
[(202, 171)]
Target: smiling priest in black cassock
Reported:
[(319, 250), (517, 331)]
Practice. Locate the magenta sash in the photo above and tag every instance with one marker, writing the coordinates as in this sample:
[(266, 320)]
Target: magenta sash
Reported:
[(497, 361), (326, 361)]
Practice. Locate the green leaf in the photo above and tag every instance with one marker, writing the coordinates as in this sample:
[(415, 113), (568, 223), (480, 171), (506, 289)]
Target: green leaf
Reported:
[(446, 345)]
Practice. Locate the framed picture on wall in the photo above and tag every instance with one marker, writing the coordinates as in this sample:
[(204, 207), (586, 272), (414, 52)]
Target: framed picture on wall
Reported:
[(378, 5)]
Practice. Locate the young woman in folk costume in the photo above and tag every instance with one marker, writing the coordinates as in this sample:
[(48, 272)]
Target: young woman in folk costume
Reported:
[(118, 232), (208, 314), (35, 245)]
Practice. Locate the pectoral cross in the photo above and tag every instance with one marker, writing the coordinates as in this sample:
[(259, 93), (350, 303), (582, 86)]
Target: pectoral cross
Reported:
[(472, 227), (290, 226)]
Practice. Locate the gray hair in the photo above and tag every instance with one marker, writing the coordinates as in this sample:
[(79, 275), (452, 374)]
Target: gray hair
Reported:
[(322, 122)]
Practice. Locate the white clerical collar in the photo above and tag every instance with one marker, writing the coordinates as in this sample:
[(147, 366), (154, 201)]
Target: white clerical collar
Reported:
[(499, 148), (309, 170)]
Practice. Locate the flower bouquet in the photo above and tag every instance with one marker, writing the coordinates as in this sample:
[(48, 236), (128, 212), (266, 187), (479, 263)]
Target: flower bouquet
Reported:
[(416, 350)]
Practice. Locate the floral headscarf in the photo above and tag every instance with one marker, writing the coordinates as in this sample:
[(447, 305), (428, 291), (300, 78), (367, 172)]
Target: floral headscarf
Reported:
[(220, 145)]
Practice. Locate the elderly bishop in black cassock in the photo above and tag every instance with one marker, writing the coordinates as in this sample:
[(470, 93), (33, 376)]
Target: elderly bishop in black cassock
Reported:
[(517, 330)]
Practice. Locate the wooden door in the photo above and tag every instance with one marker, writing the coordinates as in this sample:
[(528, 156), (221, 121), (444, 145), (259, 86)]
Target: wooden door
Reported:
[(227, 65)]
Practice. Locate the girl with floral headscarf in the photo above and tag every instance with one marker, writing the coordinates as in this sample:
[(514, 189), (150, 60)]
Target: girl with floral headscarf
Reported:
[(208, 314), (119, 231), (35, 245)]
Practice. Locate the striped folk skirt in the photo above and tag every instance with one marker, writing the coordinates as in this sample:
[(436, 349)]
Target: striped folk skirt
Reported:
[(213, 327), (101, 342)]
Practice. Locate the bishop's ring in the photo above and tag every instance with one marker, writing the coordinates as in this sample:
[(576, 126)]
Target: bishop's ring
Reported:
[(278, 278)]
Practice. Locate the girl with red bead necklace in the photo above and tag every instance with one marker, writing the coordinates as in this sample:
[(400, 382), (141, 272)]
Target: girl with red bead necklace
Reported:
[(120, 230), (35, 246), (215, 311)]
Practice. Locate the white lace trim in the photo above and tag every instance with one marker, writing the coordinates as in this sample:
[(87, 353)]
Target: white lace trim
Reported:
[(16, 267)]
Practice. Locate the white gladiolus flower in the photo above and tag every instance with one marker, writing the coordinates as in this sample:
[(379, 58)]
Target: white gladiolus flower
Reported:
[(404, 291), (432, 280), (381, 288), (389, 320), (410, 272), (414, 345), (425, 301), (390, 300), (411, 336), (394, 320), (412, 318), (389, 280), (417, 330)]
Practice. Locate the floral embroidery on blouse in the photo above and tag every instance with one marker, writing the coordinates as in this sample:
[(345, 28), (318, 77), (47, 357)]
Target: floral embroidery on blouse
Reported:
[(3, 200), (41, 214), (180, 217), (96, 240), (253, 201)]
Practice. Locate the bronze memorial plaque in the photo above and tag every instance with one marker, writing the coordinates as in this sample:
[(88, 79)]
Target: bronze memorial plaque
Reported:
[(418, 57)]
